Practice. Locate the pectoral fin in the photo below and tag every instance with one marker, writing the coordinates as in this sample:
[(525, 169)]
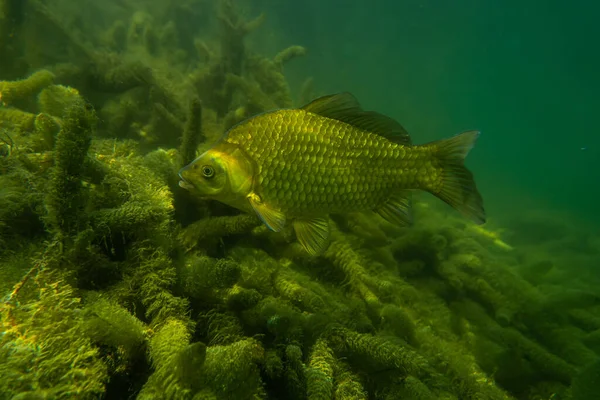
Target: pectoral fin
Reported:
[(397, 209), (274, 219), (313, 234)]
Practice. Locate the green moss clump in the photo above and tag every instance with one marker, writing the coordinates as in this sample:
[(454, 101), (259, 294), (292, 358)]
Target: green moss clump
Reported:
[(345, 258), (117, 77), (131, 199), (396, 321), (586, 384), (270, 315), (12, 91), (220, 328), (11, 194), (46, 128), (15, 118), (192, 133), (156, 276), (377, 351), (44, 349), (319, 373), (295, 379), (292, 290), (413, 388), (273, 364), (585, 319), (174, 361), (241, 299), (545, 362), (56, 99), (348, 385), (169, 339), (232, 371), (108, 323), (208, 231), (65, 199), (204, 278)]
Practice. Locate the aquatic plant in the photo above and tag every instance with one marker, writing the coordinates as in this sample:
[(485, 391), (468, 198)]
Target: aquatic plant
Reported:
[(64, 200), (44, 351)]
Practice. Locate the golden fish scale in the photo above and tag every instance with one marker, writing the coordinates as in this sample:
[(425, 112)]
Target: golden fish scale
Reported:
[(309, 164)]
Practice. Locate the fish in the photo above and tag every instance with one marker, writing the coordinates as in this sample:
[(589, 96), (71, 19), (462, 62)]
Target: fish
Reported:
[(297, 166)]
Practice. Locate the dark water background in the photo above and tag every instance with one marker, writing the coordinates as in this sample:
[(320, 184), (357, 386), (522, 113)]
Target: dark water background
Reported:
[(525, 73)]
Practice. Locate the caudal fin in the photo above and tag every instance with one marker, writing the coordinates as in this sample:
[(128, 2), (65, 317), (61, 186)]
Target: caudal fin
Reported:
[(457, 186)]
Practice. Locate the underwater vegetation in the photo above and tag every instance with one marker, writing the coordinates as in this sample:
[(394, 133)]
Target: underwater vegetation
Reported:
[(116, 283)]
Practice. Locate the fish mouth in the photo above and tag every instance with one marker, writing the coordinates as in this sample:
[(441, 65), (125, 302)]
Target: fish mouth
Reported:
[(186, 185), (183, 183), (191, 188)]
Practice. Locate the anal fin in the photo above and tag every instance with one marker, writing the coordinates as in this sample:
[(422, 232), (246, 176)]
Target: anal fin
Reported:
[(397, 208), (313, 234)]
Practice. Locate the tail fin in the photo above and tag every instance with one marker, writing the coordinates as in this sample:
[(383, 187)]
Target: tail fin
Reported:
[(458, 187)]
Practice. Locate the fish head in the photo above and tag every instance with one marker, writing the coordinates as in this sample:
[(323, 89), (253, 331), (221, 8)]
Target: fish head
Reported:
[(223, 173)]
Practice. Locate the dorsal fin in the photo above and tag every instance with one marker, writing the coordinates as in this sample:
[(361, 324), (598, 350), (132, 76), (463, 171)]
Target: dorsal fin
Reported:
[(344, 107)]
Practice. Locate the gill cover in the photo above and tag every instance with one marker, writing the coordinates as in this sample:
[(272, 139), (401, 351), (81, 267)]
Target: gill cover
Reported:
[(224, 173)]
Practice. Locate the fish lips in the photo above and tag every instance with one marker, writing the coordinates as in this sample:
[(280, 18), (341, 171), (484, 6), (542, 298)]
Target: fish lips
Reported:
[(191, 188), (183, 183), (186, 185)]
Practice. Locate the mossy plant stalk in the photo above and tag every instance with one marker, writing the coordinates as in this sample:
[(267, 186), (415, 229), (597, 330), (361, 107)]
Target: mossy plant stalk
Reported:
[(192, 133), (22, 89), (64, 199)]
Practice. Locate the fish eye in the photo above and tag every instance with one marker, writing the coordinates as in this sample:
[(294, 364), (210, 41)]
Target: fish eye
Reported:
[(208, 171)]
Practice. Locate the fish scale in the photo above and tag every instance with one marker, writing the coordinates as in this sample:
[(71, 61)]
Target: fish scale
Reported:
[(330, 156), (349, 164)]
